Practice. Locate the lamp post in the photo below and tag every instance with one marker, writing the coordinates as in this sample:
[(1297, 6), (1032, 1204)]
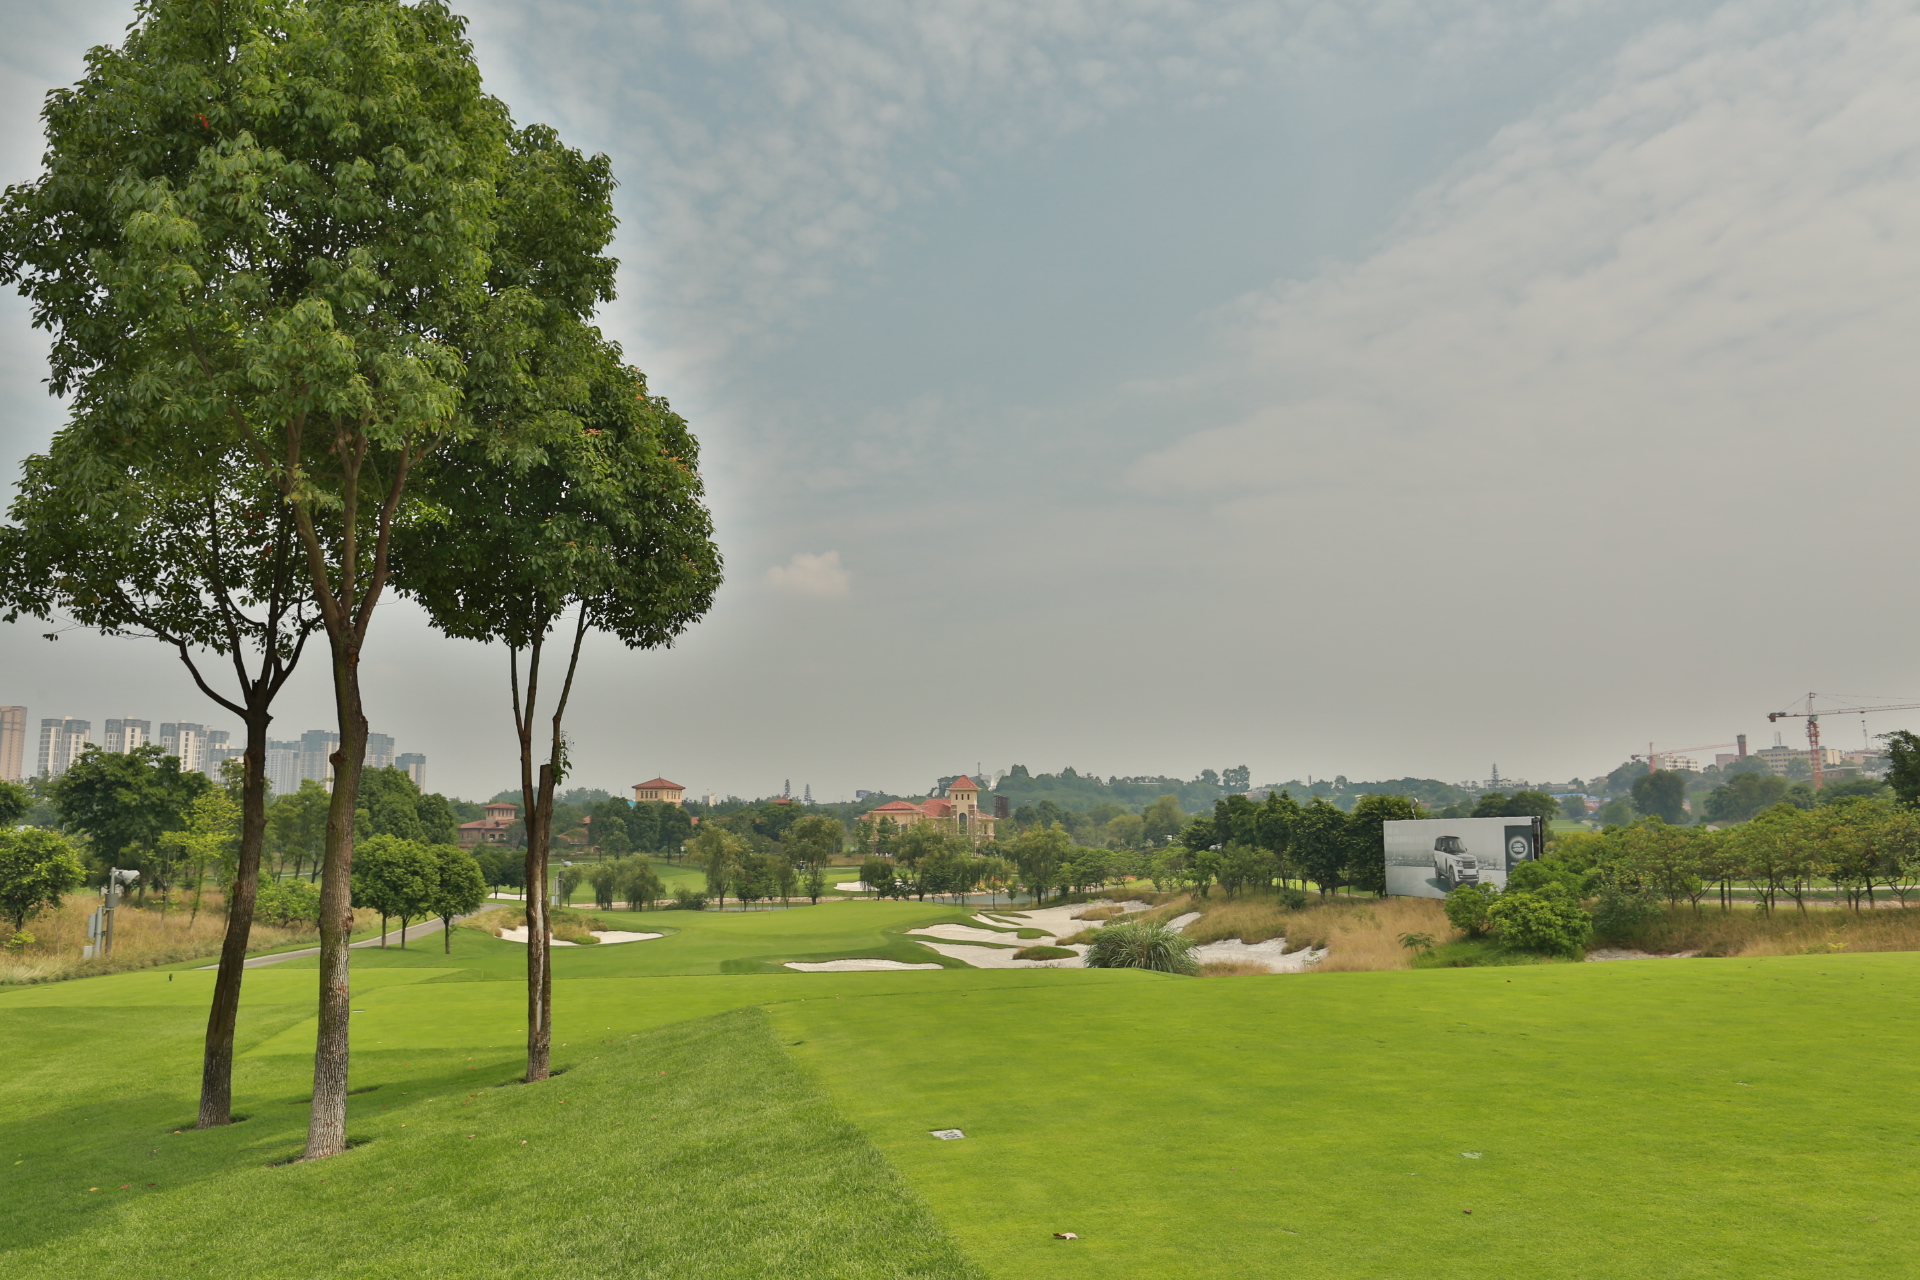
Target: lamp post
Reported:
[(100, 923)]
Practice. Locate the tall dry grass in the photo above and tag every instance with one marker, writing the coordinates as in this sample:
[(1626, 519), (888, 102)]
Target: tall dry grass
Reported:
[(1360, 934), (1746, 931), (143, 936)]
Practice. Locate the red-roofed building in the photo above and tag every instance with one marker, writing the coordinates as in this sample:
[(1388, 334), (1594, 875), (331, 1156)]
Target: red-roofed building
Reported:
[(959, 808), (491, 829), (658, 791)]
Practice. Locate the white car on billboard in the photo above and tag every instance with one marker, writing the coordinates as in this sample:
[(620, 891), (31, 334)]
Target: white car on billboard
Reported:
[(1453, 866)]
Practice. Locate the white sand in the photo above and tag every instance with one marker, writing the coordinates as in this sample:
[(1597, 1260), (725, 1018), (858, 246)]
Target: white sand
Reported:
[(1179, 923), (606, 936), (1624, 953), (967, 933), (994, 958), (1054, 922), (1267, 954), (852, 966)]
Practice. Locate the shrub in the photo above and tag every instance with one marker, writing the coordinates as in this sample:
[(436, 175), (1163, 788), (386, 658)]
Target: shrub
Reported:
[(1293, 899), (287, 904), (1468, 907), (1043, 953), (1139, 945), (1551, 923), (689, 900), (1620, 912)]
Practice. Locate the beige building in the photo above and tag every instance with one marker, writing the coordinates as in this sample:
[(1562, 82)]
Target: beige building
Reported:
[(13, 743), (959, 809), (659, 791), (491, 829)]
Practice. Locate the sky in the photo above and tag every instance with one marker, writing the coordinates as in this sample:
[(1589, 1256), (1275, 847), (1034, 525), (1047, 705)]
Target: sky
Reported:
[(1394, 387)]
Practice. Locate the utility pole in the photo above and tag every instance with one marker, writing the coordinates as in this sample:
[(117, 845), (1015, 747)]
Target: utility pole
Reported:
[(100, 923)]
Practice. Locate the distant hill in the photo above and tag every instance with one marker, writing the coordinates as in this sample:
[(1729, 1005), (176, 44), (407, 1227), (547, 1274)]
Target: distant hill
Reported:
[(1080, 793), (1428, 791)]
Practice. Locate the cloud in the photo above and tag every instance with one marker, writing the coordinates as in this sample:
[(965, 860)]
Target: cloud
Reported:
[(820, 576), (1703, 264), (771, 148)]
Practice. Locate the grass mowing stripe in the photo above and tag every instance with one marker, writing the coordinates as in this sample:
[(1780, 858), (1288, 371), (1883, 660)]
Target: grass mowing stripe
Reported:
[(694, 1150), (1685, 1119)]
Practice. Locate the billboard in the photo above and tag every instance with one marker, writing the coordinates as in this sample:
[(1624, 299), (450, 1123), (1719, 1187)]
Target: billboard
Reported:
[(1430, 857)]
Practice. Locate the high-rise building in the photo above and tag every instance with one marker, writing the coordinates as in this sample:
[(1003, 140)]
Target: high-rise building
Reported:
[(283, 767), (61, 742), (187, 741), (315, 746), (379, 751), (221, 748), (415, 766), (13, 743), (127, 735)]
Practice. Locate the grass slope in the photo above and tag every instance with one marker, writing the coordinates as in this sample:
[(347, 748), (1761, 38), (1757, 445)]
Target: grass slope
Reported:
[(1713, 1118), (693, 1149)]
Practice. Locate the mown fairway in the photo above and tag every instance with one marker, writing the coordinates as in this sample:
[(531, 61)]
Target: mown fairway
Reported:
[(1723, 1118)]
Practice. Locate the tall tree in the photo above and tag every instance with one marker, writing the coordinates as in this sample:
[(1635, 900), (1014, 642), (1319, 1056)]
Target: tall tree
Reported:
[(1366, 839), (194, 552), (1662, 795), (1320, 845), (124, 803), (276, 227), (604, 523)]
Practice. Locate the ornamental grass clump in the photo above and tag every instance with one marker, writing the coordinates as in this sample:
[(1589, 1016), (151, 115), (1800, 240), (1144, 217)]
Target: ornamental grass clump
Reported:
[(1139, 945)]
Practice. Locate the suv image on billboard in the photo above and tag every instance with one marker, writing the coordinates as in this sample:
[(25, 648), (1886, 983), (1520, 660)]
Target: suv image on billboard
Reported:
[(1453, 864)]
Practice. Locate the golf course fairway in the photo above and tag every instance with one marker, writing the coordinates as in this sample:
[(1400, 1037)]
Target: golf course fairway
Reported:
[(1701, 1118)]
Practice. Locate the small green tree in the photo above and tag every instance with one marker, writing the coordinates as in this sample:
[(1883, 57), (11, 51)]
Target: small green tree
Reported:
[(1467, 908), (717, 851), (816, 883), (15, 803), (1040, 853), (36, 868), (395, 877), (1662, 795), (640, 883), (458, 888), (1550, 923), (877, 874), (814, 839)]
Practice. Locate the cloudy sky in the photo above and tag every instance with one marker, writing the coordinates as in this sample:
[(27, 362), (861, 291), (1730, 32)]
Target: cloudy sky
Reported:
[(1380, 388)]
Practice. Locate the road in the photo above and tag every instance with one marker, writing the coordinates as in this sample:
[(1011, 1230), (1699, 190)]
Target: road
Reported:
[(415, 932)]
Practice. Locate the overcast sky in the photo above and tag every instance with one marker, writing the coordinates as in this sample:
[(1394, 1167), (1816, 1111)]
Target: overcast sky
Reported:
[(1382, 388)]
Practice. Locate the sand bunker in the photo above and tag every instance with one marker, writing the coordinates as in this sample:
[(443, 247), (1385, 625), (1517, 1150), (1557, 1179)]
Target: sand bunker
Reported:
[(1179, 923), (995, 958), (1625, 953), (967, 933), (853, 966), (1268, 954), (606, 936)]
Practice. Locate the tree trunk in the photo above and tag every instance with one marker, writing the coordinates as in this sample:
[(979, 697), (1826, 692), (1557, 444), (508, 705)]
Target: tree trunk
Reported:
[(216, 1071), (539, 944), (327, 1126)]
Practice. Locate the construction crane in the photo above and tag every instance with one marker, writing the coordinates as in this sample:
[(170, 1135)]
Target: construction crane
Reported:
[(1652, 757), (1812, 718)]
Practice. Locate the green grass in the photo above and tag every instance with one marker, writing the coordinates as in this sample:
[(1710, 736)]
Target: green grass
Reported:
[(641, 1159), (699, 942), (1469, 953), (1643, 1119), (1718, 1119)]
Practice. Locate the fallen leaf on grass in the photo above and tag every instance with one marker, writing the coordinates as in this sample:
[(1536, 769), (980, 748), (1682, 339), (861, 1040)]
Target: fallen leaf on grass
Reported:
[(1065, 1235)]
